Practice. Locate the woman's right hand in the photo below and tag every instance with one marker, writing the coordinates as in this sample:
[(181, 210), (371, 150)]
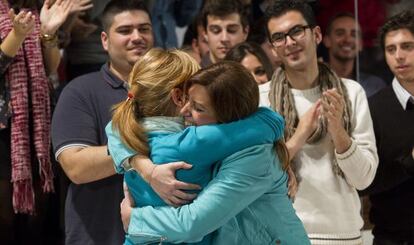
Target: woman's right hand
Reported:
[(171, 190), (23, 22)]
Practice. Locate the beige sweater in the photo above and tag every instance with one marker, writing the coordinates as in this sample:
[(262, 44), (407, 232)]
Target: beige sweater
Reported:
[(328, 204)]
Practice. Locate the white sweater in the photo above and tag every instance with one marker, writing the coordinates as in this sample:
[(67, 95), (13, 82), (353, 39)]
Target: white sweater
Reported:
[(328, 204)]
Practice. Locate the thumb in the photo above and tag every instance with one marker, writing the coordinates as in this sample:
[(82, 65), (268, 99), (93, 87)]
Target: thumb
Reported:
[(12, 15), (182, 165), (128, 196)]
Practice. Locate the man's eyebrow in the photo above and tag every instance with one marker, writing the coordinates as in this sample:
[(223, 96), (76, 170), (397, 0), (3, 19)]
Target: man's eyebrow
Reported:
[(131, 25)]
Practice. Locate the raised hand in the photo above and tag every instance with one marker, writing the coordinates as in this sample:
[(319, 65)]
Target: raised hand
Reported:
[(333, 110), (23, 22), (170, 189), (81, 5), (53, 16)]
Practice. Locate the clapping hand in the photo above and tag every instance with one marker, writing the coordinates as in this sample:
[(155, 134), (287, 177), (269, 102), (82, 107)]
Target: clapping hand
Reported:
[(53, 16), (23, 22)]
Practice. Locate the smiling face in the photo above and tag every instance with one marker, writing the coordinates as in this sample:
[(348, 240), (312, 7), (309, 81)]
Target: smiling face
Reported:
[(128, 38), (255, 67), (399, 54), (344, 39), (295, 54), (198, 110), (223, 33)]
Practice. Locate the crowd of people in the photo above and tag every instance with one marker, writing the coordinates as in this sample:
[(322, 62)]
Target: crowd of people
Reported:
[(249, 134)]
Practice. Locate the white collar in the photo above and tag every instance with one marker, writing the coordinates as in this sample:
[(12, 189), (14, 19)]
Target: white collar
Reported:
[(402, 94)]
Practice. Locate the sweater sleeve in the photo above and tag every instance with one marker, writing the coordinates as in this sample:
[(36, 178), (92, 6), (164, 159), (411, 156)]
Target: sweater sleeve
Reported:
[(237, 184), (195, 143), (359, 163), (5, 61)]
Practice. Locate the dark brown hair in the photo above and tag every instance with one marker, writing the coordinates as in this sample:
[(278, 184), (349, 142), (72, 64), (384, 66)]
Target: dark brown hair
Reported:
[(240, 51), (115, 7), (233, 92), (222, 8), (403, 20)]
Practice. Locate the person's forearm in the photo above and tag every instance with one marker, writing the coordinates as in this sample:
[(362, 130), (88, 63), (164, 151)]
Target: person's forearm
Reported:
[(143, 165), (51, 57), (84, 165), (295, 143), (12, 43), (341, 141)]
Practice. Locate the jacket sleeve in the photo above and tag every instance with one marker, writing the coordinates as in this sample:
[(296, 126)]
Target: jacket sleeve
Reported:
[(237, 184), (194, 143), (118, 151), (359, 163)]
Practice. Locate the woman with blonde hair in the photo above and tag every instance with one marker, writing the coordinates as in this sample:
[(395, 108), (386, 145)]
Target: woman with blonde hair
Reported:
[(156, 132)]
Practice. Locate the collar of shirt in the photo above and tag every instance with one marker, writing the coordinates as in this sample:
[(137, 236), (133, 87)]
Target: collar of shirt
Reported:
[(110, 78), (402, 94)]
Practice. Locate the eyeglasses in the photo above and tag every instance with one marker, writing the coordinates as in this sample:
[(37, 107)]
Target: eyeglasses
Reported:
[(278, 39)]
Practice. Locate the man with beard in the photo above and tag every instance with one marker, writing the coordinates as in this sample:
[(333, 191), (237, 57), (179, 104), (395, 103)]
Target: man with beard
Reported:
[(344, 41), (78, 128), (226, 25)]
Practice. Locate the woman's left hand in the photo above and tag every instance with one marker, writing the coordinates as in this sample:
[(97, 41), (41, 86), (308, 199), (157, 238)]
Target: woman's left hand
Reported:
[(126, 208), (53, 16)]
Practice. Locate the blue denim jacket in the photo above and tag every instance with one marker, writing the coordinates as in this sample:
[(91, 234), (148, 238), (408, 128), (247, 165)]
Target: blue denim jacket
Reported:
[(194, 146)]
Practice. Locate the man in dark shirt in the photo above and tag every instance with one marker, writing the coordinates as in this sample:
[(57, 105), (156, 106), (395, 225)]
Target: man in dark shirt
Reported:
[(344, 41), (78, 135), (391, 192)]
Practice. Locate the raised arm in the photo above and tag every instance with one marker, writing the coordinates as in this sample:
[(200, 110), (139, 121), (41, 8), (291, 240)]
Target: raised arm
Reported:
[(359, 161), (23, 24)]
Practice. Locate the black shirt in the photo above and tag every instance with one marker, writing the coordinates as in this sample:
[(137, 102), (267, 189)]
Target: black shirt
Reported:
[(82, 112)]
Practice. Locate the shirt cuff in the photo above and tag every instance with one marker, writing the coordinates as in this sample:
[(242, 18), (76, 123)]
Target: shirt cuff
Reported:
[(348, 153)]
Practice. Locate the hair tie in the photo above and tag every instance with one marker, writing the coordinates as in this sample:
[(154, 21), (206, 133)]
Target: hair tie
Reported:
[(130, 96)]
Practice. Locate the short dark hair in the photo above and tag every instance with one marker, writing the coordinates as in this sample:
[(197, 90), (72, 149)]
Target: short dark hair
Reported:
[(225, 7), (403, 20), (240, 51), (338, 16), (233, 92), (281, 7), (115, 7)]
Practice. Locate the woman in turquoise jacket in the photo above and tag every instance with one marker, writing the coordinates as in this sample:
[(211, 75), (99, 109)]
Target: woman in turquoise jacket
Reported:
[(203, 146)]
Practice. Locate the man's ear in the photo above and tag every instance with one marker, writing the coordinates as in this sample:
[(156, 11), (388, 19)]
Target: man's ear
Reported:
[(104, 40), (246, 32), (177, 96), (317, 34)]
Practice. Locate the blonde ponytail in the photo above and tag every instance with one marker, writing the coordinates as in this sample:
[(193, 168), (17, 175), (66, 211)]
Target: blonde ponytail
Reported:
[(125, 120), (151, 81)]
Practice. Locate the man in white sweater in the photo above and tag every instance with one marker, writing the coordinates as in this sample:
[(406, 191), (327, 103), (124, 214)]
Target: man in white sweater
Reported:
[(329, 129)]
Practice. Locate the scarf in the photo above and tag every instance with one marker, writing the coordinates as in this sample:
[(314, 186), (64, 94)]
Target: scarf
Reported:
[(281, 100), (28, 89)]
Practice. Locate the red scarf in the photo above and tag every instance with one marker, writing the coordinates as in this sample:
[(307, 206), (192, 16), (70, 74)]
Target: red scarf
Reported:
[(28, 88)]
